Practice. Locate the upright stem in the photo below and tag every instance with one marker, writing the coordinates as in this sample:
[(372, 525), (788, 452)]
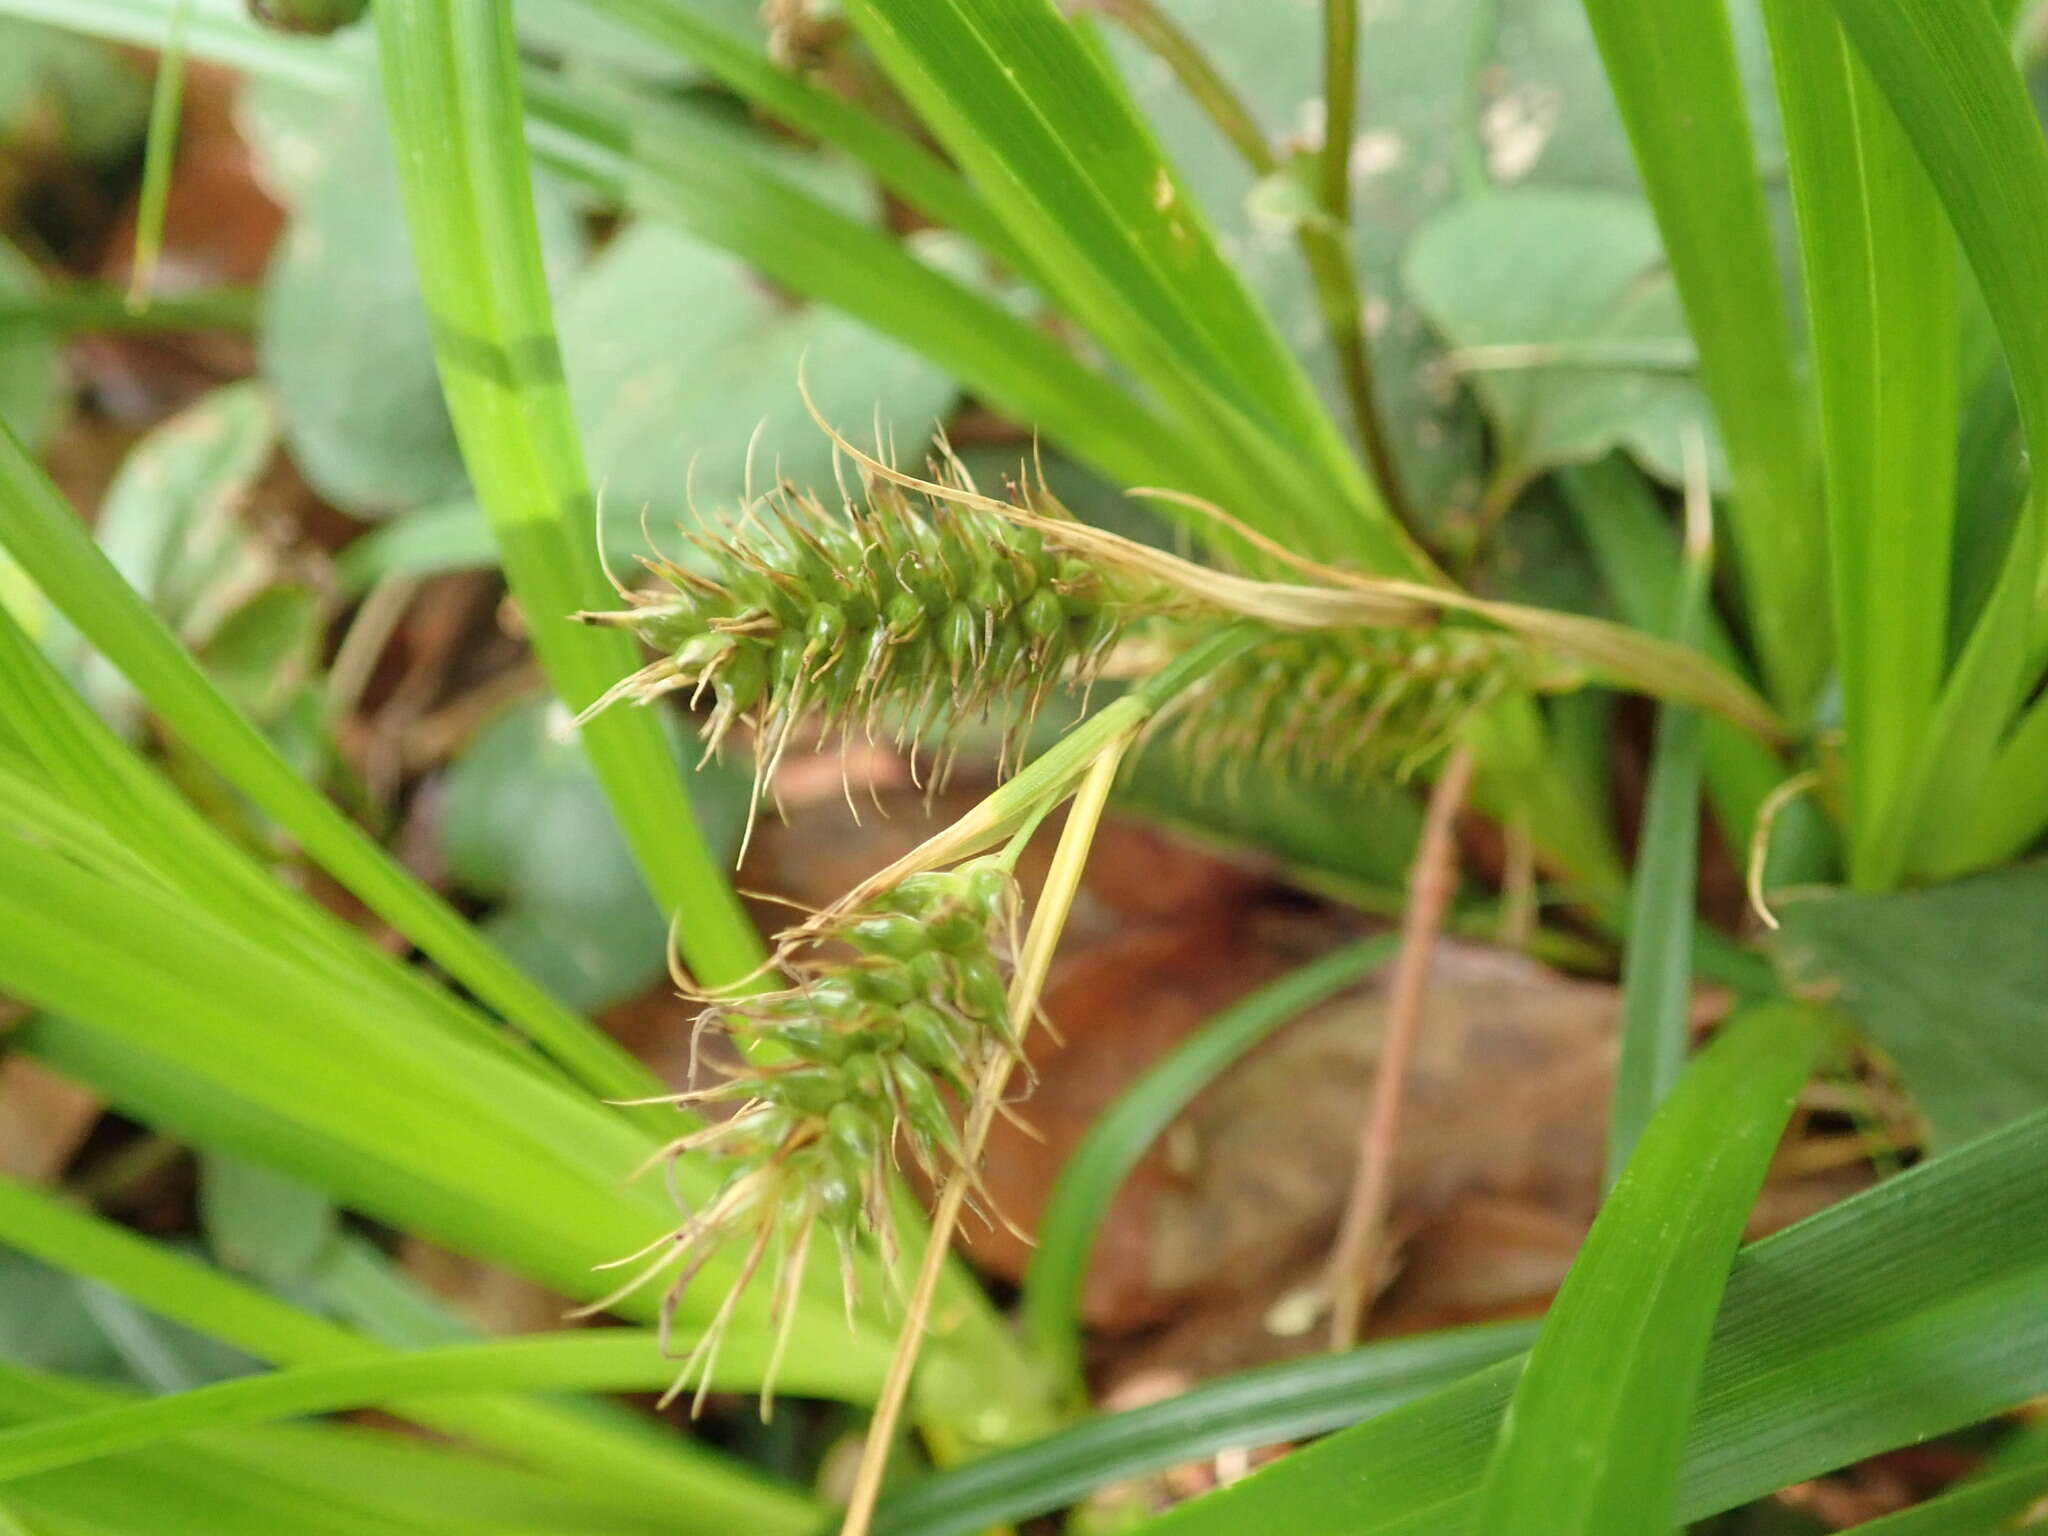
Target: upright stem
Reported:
[(1327, 248), (1057, 899), (1431, 880)]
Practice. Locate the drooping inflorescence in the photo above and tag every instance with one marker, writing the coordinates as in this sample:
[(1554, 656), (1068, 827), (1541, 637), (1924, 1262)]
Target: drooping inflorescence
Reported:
[(916, 614), (894, 1010)]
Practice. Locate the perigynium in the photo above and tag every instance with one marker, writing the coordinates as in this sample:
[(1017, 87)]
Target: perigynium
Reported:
[(891, 1018)]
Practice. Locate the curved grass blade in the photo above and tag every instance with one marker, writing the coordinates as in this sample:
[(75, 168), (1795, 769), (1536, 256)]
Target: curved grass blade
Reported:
[(55, 549), (1656, 967), (451, 82), (1267, 1406), (1882, 301), (1091, 1175), (1948, 74), (586, 1360), (1594, 1436), (1036, 121), (569, 1444), (898, 161), (1673, 70), (1909, 1310)]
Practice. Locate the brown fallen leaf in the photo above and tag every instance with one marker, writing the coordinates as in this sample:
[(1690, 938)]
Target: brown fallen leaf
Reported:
[(44, 1120)]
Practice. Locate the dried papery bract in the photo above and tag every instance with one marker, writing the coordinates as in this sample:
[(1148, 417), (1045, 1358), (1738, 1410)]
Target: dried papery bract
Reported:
[(892, 1009)]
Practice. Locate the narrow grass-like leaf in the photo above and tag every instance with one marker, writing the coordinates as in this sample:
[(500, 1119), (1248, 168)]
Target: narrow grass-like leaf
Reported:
[(1948, 74), (586, 1360), (1914, 1308), (1267, 1406), (1656, 968), (1092, 1173), (898, 161), (1672, 66), (451, 79), (325, 1478), (1033, 116), (570, 1444), (1593, 1439), (1881, 292), (428, 1133), (54, 548)]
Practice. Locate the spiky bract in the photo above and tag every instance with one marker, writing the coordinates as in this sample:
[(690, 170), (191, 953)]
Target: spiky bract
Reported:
[(863, 1047)]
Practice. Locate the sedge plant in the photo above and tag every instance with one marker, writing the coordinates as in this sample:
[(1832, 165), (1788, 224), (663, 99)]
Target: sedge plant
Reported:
[(1874, 632)]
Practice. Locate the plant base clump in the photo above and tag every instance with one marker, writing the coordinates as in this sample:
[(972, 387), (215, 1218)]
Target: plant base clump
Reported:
[(863, 1050)]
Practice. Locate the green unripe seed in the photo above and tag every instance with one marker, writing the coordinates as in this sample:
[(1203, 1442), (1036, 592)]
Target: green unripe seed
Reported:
[(894, 934), (741, 679), (809, 1090), (850, 1135)]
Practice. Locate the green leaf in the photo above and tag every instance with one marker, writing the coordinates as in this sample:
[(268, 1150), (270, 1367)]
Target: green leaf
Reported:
[(1673, 71), (1572, 284), (1657, 966), (1949, 981), (523, 822), (602, 1359), (1593, 1439), (55, 550), (678, 358), (1029, 112), (1096, 1168), (262, 1223), (1266, 1406), (1882, 303), (658, 1474), (31, 374), (451, 84), (1906, 1311)]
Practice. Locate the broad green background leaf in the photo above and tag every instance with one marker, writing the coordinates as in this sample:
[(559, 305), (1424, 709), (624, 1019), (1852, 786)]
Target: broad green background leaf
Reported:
[(524, 822), (1540, 265), (676, 355), (30, 371), (261, 1223), (344, 339), (61, 1322), (1454, 97), (1951, 981)]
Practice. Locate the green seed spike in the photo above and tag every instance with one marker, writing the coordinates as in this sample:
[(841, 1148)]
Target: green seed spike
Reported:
[(869, 1041), (908, 608)]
